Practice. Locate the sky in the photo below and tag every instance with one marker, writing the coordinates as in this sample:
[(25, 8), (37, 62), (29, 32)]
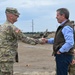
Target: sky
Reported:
[(37, 15)]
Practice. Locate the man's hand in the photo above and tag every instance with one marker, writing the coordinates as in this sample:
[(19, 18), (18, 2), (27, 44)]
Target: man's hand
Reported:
[(58, 52)]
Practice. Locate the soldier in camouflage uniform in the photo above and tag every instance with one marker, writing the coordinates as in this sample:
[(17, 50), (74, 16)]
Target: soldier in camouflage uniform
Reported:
[(72, 67), (8, 41)]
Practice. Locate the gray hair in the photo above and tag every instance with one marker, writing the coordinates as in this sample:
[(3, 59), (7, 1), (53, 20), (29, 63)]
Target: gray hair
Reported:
[(64, 11)]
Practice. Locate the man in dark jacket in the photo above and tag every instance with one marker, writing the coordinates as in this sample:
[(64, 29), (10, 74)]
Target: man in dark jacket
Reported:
[(63, 42)]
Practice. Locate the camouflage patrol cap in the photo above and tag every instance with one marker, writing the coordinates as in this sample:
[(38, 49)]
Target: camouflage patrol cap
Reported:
[(12, 10)]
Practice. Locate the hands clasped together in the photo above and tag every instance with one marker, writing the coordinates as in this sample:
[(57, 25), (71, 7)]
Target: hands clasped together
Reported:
[(43, 40)]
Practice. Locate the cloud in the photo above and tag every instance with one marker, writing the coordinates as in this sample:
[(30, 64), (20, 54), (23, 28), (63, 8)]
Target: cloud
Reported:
[(42, 11), (37, 3), (31, 3)]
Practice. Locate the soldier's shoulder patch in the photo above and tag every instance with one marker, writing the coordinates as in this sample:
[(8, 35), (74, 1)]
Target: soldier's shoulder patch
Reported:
[(17, 30)]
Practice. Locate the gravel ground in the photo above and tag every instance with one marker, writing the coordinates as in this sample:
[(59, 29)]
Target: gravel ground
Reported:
[(35, 60)]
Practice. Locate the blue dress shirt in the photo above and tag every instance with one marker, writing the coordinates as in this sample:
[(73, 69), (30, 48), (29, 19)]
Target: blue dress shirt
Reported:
[(69, 39)]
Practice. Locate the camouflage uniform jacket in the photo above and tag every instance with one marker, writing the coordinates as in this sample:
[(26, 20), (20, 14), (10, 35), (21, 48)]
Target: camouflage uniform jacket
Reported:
[(8, 41)]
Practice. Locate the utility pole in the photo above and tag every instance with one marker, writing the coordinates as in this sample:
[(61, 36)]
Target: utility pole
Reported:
[(32, 26)]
